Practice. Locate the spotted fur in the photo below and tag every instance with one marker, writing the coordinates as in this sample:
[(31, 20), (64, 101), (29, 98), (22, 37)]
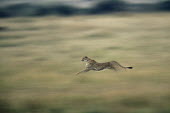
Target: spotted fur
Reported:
[(93, 65)]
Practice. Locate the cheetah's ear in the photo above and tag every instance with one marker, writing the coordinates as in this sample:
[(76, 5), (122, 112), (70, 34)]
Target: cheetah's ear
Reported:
[(85, 57)]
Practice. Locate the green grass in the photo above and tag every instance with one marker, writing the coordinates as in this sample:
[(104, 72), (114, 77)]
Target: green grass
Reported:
[(40, 57)]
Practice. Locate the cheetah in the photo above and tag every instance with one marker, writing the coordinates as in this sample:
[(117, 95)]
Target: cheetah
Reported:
[(93, 65)]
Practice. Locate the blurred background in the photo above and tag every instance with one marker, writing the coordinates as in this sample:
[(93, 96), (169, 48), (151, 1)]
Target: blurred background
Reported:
[(13, 8), (42, 43)]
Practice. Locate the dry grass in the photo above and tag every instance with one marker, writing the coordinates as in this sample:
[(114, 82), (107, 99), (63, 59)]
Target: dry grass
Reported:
[(40, 56)]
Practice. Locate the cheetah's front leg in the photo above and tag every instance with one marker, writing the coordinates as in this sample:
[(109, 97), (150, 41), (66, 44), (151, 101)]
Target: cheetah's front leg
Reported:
[(86, 70)]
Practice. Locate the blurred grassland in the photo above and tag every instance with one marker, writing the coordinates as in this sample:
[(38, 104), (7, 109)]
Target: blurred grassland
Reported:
[(40, 56)]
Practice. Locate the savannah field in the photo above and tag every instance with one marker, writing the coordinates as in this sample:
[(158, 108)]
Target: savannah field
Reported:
[(39, 57)]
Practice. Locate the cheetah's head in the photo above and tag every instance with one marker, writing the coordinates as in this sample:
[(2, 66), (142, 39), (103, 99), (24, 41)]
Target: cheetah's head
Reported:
[(85, 59)]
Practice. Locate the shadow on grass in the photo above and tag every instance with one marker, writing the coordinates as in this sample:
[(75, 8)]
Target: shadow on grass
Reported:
[(135, 102), (5, 106), (97, 36), (11, 37), (3, 45)]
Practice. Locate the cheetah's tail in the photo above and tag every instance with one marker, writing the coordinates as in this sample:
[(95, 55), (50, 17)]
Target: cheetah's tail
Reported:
[(129, 67)]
